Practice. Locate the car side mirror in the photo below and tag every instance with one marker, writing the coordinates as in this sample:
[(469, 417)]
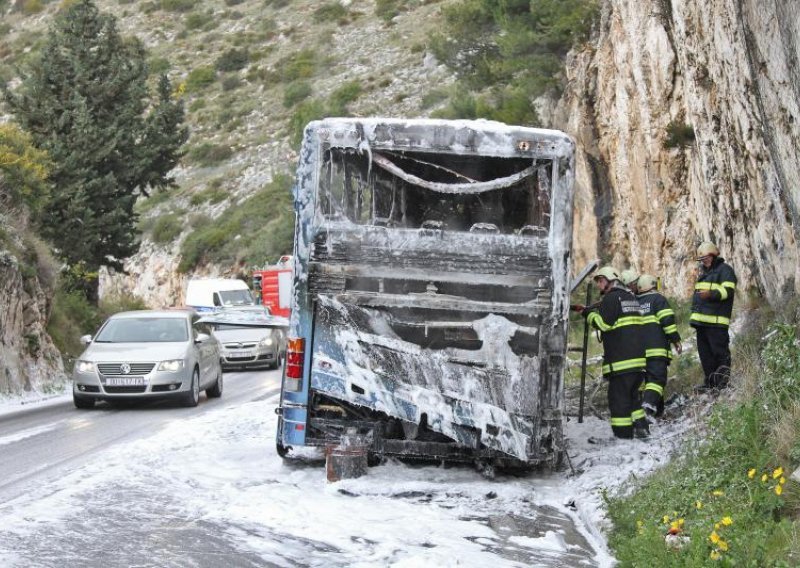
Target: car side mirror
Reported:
[(86, 339), (201, 337)]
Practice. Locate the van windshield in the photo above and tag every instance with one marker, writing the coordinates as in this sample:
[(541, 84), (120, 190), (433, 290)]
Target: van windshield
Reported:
[(236, 298)]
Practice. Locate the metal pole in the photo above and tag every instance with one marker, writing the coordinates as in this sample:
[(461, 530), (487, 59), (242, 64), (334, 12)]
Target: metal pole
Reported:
[(583, 357)]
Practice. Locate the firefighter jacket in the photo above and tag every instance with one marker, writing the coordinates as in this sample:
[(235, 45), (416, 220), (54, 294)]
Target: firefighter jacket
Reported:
[(659, 328), (715, 311), (620, 323)]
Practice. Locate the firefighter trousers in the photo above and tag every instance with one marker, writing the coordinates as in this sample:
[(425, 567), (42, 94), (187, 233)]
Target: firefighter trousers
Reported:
[(623, 403), (654, 383), (713, 346)]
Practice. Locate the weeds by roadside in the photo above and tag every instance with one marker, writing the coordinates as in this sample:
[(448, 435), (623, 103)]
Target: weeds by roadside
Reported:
[(728, 499)]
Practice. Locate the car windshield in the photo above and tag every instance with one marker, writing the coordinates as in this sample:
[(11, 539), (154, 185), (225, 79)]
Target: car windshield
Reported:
[(236, 298), (143, 330)]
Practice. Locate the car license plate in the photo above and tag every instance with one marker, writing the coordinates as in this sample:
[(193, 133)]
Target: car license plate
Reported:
[(125, 381), (240, 354)]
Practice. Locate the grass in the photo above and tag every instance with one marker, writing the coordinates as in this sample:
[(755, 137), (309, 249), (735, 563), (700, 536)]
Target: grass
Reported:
[(728, 491), (208, 154), (73, 316), (253, 232), (167, 228)]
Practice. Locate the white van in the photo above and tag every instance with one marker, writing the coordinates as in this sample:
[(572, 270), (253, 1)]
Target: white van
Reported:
[(209, 294)]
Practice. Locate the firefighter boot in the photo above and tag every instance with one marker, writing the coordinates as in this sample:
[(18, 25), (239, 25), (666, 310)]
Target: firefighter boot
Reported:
[(641, 429)]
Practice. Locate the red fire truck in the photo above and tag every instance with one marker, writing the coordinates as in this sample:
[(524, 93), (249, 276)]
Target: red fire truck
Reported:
[(273, 284)]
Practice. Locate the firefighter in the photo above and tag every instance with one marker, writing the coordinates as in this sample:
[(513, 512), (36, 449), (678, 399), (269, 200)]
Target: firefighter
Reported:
[(629, 278), (618, 319), (660, 330), (712, 305)]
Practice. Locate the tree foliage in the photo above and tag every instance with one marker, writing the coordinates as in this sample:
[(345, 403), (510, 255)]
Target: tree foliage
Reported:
[(23, 170), (85, 100), (510, 51)]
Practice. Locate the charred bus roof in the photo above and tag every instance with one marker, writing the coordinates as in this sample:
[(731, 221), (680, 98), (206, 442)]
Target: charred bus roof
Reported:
[(481, 137)]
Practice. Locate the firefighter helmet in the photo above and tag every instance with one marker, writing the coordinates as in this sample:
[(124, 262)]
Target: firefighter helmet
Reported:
[(706, 248), (646, 283), (629, 277), (608, 272)]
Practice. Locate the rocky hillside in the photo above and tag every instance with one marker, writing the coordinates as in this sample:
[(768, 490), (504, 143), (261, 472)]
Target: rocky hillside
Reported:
[(251, 72), (684, 112), (686, 116), (28, 359)]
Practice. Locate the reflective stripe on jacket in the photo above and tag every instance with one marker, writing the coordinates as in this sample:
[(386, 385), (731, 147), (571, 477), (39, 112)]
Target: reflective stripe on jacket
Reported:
[(619, 320), (660, 328), (720, 279)]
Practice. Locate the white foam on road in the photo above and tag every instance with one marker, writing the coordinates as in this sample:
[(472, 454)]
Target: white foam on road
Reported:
[(221, 468)]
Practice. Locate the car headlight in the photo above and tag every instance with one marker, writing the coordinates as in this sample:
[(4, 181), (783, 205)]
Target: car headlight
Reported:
[(172, 366), (266, 342), (84, 366)]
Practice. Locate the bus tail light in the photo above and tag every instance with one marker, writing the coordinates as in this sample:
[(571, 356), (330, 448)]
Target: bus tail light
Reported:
[(295, 355)]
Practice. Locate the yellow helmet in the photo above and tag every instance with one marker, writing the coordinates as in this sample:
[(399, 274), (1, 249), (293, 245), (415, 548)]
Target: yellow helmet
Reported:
[(608, 272), (629, 277), (647, 282), (706, 248)]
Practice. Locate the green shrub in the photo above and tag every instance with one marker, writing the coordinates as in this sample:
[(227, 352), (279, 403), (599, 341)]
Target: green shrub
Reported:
[(520, 45), (342, 97), (29, 7), (679, 135), (232, 60), (233, 2), (208, 154), (330, 12), (159, 65), (200, 21), (177, 5), (389, 9), (231, 83), (296, 92), (277, 3), (211, 195), (167, 228), (72, 316), (302, 64), (200, 78), (197, 104), (303, 114), (264, 224), (434, 97)]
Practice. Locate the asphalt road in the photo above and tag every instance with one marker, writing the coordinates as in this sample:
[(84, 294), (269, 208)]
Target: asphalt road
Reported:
[(142, 522), (40, 445)]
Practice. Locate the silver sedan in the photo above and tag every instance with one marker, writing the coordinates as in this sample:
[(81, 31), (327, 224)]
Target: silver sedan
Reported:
[(148, 354)]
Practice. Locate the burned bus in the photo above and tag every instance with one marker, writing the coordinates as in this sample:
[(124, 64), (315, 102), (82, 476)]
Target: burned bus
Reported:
[(430, 298)]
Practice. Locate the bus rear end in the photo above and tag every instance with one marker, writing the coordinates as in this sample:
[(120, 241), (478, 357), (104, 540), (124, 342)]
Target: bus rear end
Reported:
[(430, 289)]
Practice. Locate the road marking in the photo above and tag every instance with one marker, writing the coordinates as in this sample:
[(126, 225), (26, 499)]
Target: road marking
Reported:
[(28, 433)]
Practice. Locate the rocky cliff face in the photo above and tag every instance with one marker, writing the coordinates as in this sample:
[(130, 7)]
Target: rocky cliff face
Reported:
[(729, 70), (28, 359)]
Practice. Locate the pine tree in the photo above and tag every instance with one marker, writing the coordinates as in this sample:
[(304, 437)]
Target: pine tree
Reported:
[(86, 102)]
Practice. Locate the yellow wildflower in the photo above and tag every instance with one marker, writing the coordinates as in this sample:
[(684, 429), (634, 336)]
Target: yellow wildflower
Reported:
[(677, 524), (751, 473), (698, 504), (717, 493), (723, 546), (639, 523), (715, 555), (782, 480), (665, 519), (713, 537), (717, 526), (727, 521), (764, 477), (778, 489), (777, 473)]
